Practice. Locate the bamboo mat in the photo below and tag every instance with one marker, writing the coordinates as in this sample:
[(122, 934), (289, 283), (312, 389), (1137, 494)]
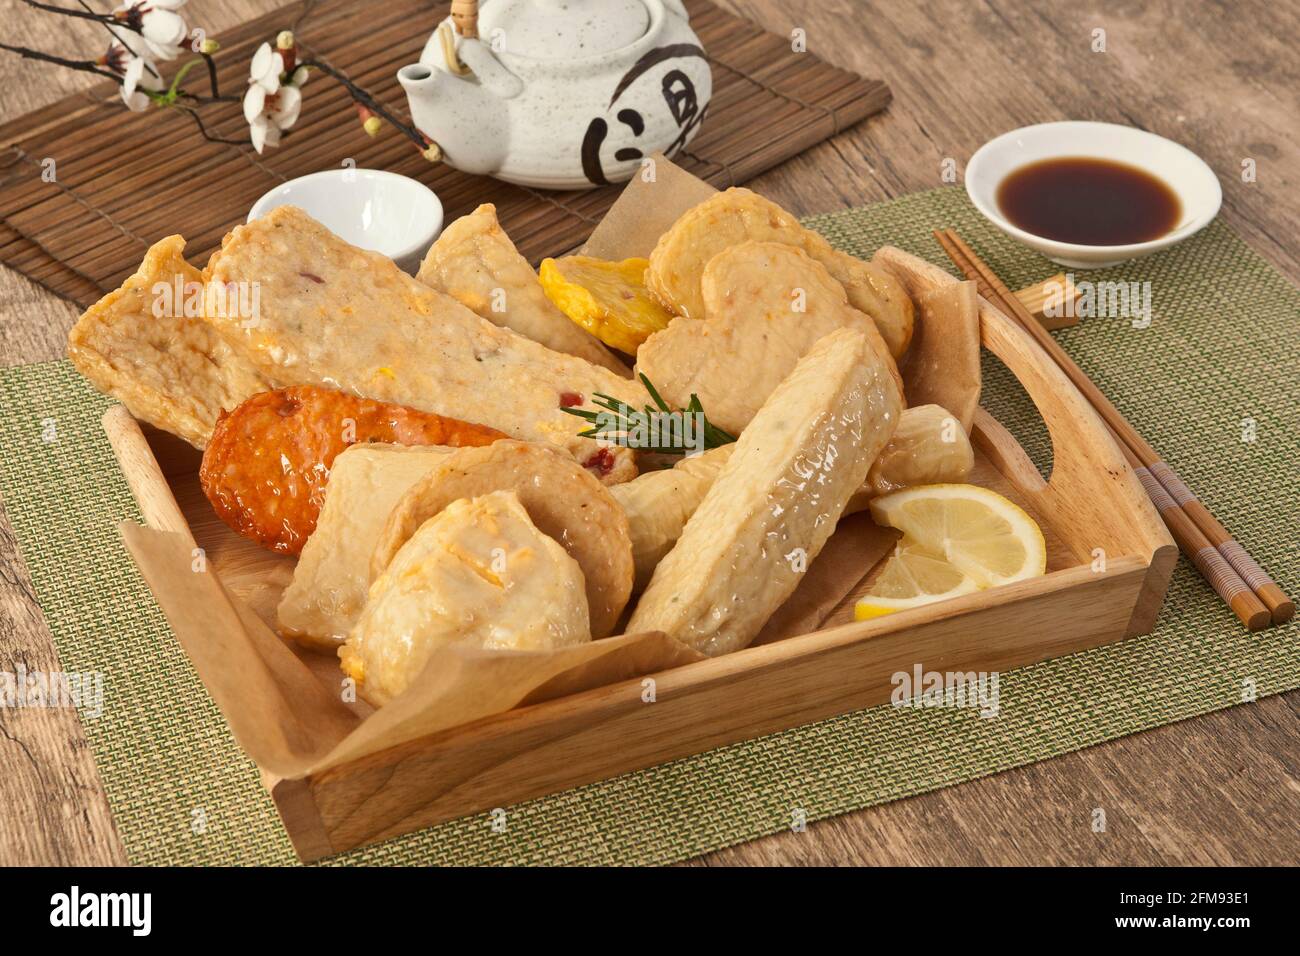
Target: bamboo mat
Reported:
[(167, 759), (124, 180)]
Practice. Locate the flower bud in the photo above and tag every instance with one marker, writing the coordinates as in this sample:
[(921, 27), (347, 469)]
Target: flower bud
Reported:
[(209, 47), (284, 40), (371, 123), (432, 152)]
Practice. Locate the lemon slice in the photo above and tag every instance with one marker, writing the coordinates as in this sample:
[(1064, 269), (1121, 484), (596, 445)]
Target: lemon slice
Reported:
[(982, 535), (913, 575)]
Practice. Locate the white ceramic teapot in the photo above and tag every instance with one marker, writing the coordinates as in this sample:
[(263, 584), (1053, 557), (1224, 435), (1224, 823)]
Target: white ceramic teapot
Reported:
[(559, 94)]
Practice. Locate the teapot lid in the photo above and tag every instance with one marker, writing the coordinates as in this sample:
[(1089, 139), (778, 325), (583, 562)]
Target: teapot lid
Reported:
[(561, 29)]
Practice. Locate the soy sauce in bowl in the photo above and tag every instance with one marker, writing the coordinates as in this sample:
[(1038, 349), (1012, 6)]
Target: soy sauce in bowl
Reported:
[(1090, 202)]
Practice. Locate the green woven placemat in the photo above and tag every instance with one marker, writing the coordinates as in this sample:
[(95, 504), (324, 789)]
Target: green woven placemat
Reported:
[(1216, 365)]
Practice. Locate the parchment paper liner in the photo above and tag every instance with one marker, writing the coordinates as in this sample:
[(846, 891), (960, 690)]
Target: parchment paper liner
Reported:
[(292, 722)]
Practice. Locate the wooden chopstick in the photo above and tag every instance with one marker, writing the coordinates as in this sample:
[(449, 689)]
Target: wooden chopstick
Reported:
[(1227, 583), (1234, 575), (1248, 586)]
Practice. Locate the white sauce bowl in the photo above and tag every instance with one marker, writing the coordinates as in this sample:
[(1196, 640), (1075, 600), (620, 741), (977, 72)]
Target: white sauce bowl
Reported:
[(1182, 170), (377, 210)]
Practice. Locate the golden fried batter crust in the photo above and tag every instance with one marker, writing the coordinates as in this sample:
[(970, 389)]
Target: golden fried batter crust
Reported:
[(475, 263), (563, 500), (333, 315), (737, 215), (171, 370), (763, 306)]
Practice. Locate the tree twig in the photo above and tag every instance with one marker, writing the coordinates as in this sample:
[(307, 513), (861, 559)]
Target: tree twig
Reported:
[(113, 36), (83, 15), (368, 101), (85, 66), (212, 77), (210, 137), (188, 100), (176, 90)]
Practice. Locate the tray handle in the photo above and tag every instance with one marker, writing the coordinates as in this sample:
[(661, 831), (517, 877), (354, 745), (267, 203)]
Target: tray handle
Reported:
[(1092, 497), (1092, 490), (148, 486)]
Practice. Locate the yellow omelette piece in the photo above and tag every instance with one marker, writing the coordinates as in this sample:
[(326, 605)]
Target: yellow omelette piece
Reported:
[(608, 299)]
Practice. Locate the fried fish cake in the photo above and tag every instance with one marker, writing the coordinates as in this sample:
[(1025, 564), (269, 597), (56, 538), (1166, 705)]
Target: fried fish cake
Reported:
[(319, 311), (479, 573), (475, 263), (268, 462), (928, 447), (331, 580), (564, 500), (763, 305), (147, 345), (737, 215), (776, 500)]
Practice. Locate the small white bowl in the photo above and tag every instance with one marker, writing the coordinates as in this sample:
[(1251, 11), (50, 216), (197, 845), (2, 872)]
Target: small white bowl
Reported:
[(1185, 173), (370, 208)]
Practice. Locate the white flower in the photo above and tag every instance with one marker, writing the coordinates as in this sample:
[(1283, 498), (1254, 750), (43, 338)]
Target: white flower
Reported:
[(271, 107), (266, 68), (137, 74), (152, 28)]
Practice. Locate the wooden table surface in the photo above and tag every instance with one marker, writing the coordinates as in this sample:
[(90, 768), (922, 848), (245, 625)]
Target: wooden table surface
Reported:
[(1221, 77)]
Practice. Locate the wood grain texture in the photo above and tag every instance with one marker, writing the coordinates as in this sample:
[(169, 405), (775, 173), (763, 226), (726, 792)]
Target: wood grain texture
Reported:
[(1056, 291), (55, 810), (153, 497), (1216, 789)]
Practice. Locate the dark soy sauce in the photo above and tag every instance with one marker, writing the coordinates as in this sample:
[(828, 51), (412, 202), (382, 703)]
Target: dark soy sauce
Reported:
[(1091, 202)]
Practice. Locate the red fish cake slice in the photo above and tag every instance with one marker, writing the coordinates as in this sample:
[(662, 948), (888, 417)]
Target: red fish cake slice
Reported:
[(268, 461)]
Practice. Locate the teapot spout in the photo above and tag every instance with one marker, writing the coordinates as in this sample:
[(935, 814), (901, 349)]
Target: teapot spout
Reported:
[(458, 114), (419, 80)]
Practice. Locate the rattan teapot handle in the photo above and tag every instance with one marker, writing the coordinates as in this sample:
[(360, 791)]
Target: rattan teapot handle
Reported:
[(464, 13)]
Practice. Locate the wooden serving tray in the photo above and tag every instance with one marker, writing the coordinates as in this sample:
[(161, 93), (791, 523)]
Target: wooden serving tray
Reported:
[(125, 180), (1109, 563)]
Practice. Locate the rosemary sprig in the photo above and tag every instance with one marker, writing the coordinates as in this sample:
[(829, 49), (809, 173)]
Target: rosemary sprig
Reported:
[(619, 422)]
